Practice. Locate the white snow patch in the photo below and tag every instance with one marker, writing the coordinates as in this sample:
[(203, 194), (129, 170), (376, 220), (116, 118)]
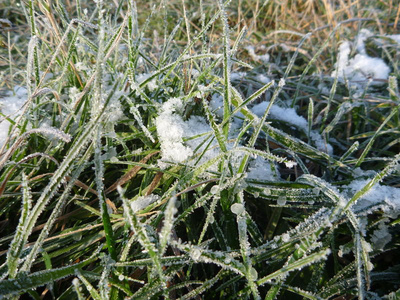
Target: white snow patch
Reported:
[(10, 106), (386, 197), (263, 58), (237, 75), (380, 237), (290, 116), (260, 169), (361, 68), (170, 130), (263, 79), (395, 37)]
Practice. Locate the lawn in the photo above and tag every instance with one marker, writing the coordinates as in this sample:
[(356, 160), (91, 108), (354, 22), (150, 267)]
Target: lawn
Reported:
[(182, 149)]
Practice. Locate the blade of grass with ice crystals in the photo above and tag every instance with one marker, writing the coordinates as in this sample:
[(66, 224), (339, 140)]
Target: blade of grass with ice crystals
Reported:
[(24, 282), (378, 177), (349, 151), (296, 265), (259, 125), (209, 217), (59, 175), (300, 292), (166, 230), (222, 259), (226, 69), (57, 210), (99, 173), (204, 287), (95, 295), (359, 267), (168, 42), (251, 274), (252, 97), (19, 239), (253, 230), (220, 136), (143, 237), (310, 116), (181, 57), (372, 140)]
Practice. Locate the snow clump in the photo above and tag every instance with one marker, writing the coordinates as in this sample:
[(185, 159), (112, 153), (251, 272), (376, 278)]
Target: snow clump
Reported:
[(170, 130), (362, 68), (10, 107)]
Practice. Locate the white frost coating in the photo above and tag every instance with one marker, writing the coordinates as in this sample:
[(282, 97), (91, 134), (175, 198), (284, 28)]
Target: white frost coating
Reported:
[(144, 201), (170, 130), (9, 106), (361, 68)]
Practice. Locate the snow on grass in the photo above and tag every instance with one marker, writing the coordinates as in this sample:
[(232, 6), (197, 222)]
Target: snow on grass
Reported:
[(10, 106), (361, 68), (260, 169), (290, 116), (170, 130), (386, 197), (263, 58), (197, 133)]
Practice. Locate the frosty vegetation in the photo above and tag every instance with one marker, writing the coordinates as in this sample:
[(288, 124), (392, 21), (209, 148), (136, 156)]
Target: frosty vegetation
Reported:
[(214, 156)]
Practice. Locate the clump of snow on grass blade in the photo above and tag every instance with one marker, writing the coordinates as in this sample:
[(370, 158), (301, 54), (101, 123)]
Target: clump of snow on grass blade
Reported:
[(361, 68), (143, 201), (170, 130), (9, 106)]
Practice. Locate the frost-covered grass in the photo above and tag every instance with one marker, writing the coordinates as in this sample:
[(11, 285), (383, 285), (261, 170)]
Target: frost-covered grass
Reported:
[(199, 149)]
